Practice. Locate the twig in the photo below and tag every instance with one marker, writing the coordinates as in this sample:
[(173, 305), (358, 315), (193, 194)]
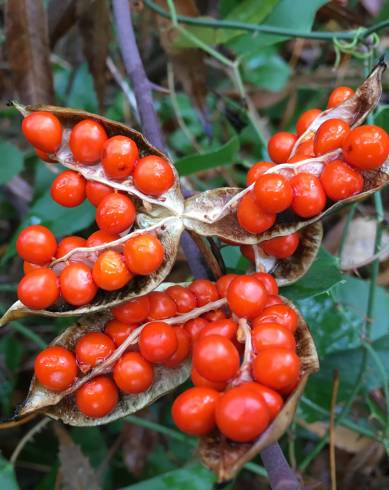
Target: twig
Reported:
[(266, 29), (381, 255), (382, 371), (193, 256), (27, 437), (281, 476), (129, 94), (346, 228), (149, 120), (292, 445), (233, 70), (14, 423), (214, 268), (136, 72), (19, 327), (176, 109), (335, 389)]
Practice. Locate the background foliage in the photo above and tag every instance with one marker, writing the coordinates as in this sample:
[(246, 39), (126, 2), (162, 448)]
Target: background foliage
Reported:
[(217, 109)]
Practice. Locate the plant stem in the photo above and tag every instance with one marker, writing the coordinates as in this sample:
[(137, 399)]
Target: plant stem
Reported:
[(365, 334), (381, 369), (345, 422), (136, 72), (335, 389), (266, 29), (346, 228), (20, 328), (281, 476), (233, 67), (143, 94)]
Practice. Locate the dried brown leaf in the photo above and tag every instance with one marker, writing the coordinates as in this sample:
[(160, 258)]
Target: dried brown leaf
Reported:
[(358, 248), (345, 438), (76, 470), (28, 50), (226, 458), (171, 200), (169, 231), (95, 30)]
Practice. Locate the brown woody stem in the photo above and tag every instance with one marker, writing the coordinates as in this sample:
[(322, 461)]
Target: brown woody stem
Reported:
[(136, 72)]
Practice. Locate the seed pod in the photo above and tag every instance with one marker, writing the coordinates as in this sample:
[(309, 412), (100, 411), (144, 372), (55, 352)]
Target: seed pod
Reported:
[(227, 458), (61, 405), (169, 231), (172, 199), (214, 212)]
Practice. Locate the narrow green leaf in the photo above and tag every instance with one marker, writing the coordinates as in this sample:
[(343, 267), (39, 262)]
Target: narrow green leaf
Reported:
[(381, 117), (296, 15), (222, 156), (7, 476), (249, 11), (266, 69), (291, 14), (12, 161)]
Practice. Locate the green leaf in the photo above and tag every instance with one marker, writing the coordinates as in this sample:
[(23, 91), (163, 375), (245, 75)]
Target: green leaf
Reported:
[(333, 326), (82, 94), (248, 11), (61, 220), (192, 478), (347, 363), (7, 476), (295, 15), (266, 69), (320, 278), (12, 161), (222, 156), (234, 260), (381, 117), (336, 323), (290, 14), (337, 319)]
